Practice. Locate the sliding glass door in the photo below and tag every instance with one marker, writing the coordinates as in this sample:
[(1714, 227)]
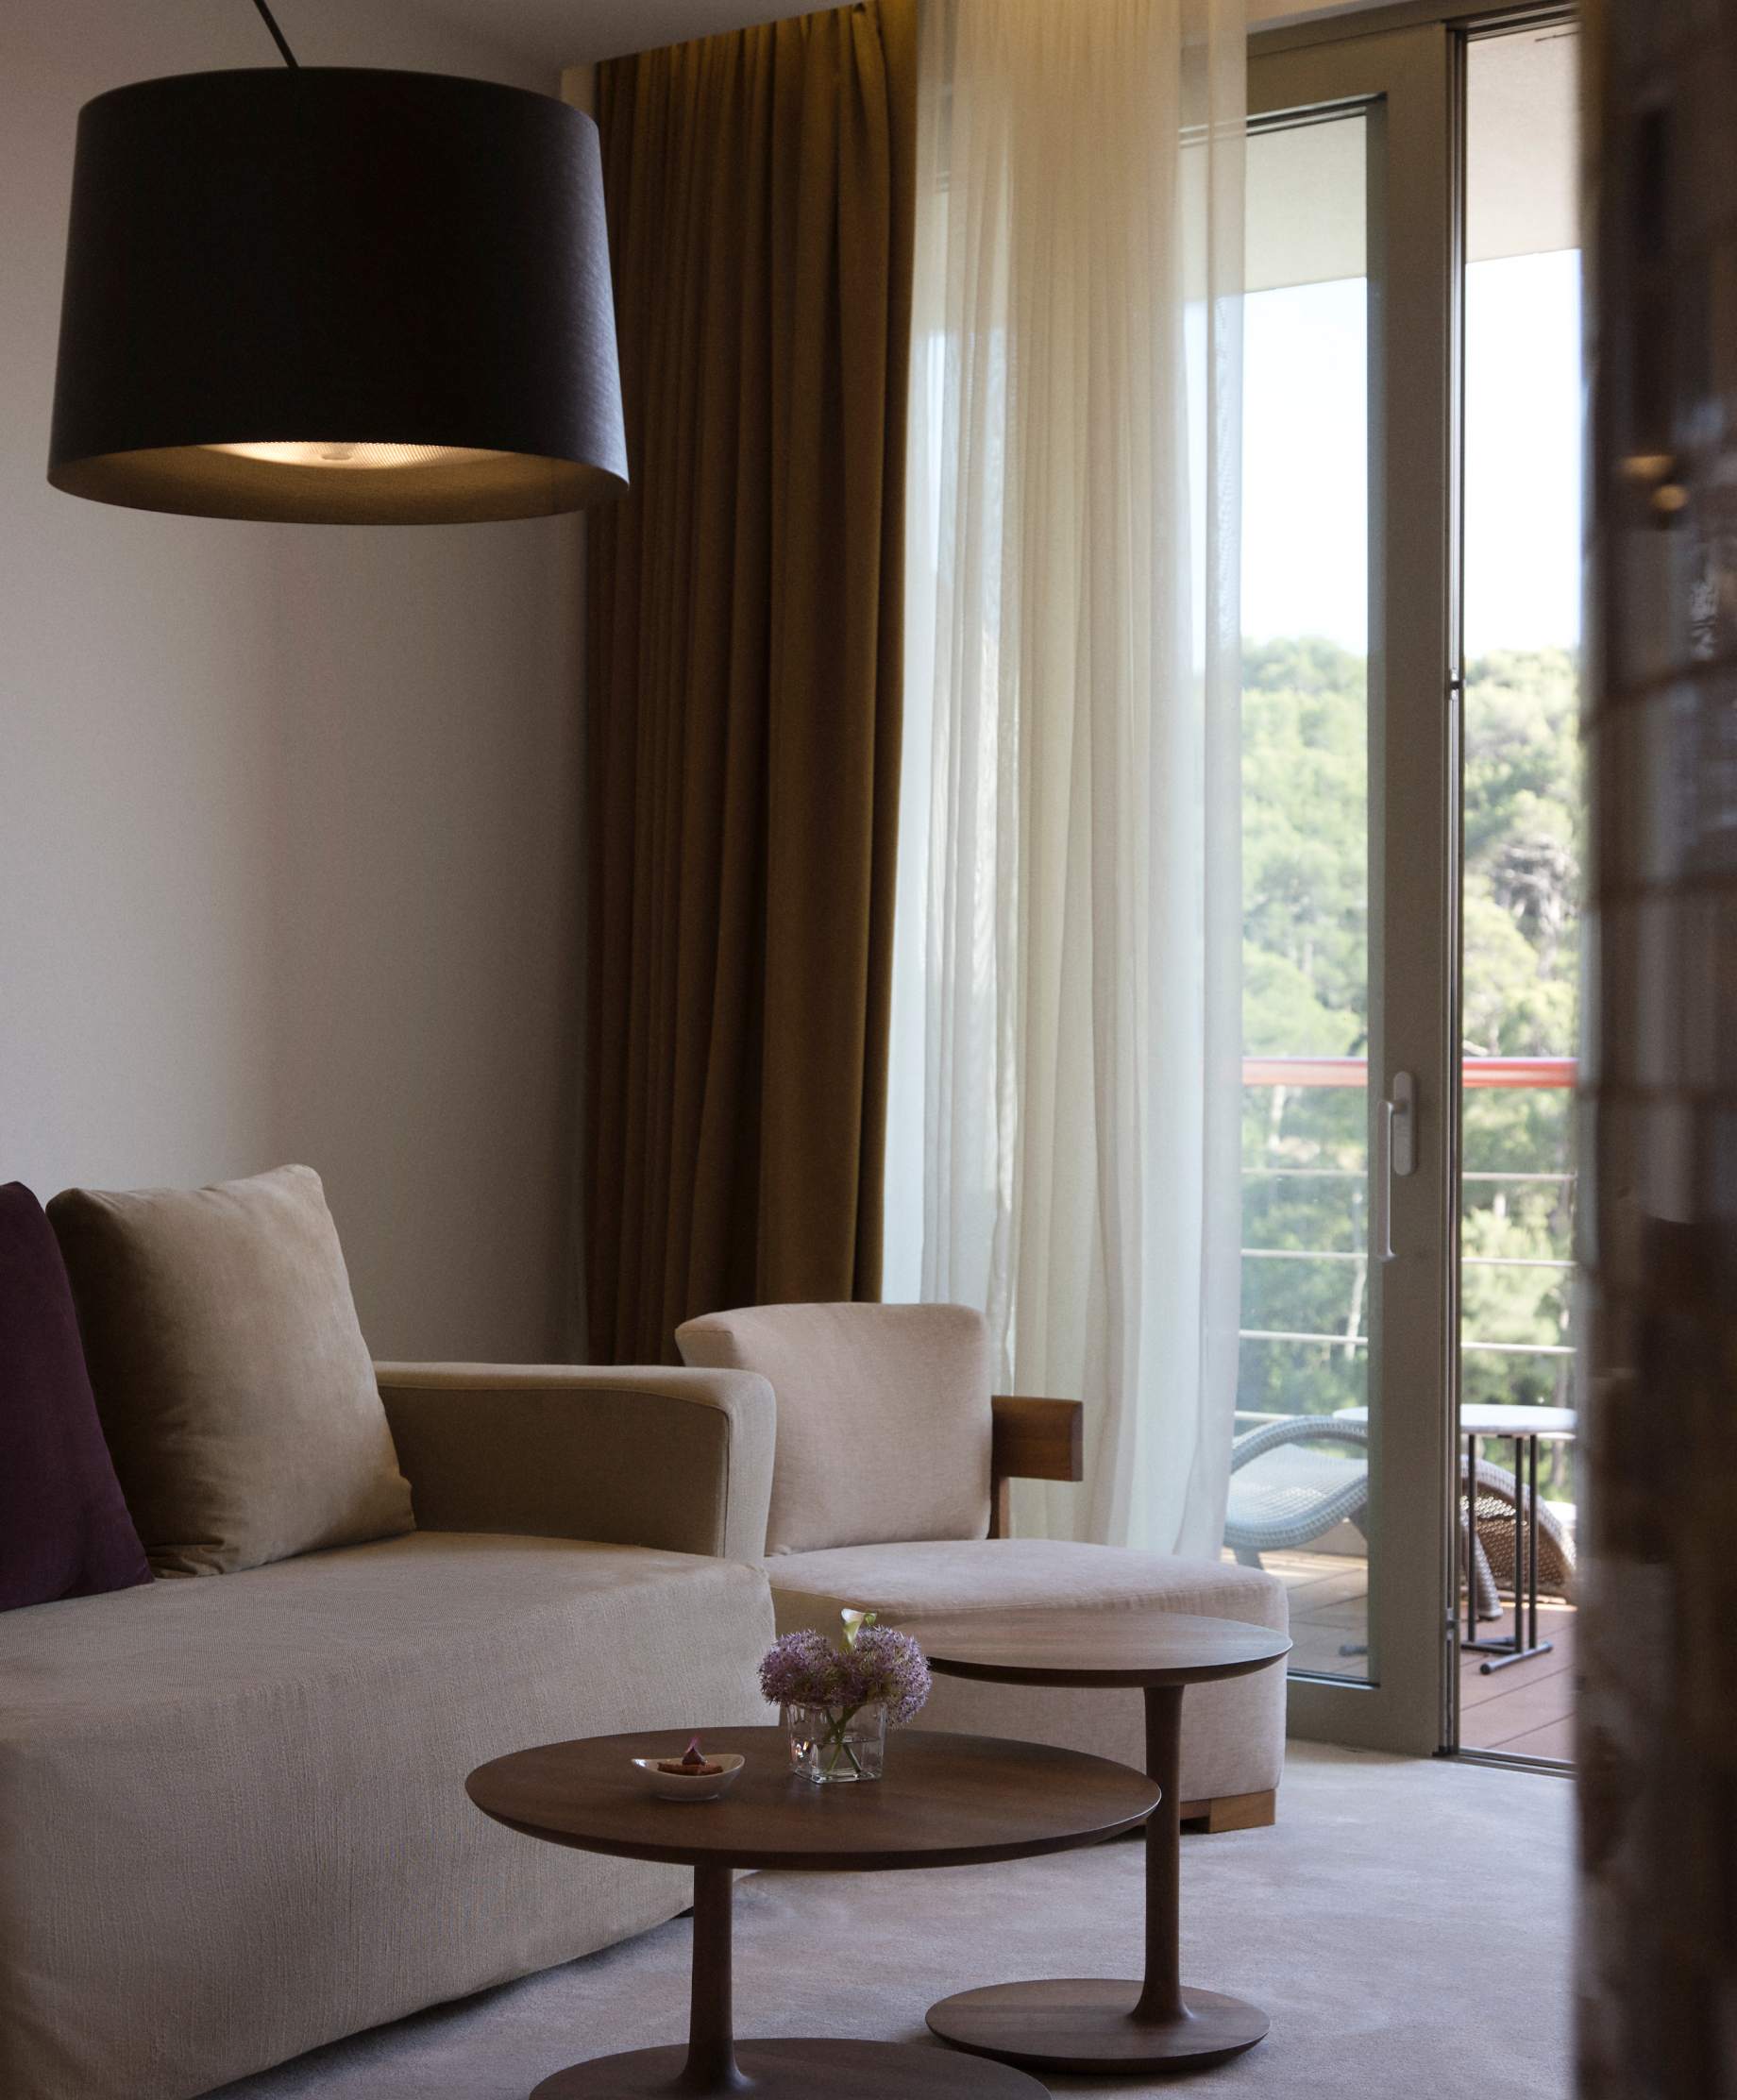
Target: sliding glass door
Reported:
[(1341, 1473)]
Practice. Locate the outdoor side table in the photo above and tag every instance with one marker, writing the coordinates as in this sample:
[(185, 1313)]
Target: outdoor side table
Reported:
[(946, 1801), (1095, 2025), (1526, 1427)]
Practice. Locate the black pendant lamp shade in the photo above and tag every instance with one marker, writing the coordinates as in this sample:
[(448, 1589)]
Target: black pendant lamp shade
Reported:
[(338, 296)]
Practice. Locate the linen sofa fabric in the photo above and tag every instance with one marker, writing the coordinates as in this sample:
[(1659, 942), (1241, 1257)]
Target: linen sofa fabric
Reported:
[(1232, 1733), (676, 1459), (232, 1818), (231, 1373), (884, 1417), (64, 1528)]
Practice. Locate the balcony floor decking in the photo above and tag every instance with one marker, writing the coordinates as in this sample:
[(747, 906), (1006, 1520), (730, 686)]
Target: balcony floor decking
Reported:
[(1526, 1710)]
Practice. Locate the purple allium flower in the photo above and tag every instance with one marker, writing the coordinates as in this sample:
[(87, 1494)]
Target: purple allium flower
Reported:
[(889, 1666), (799, 1669), (804, 1668)]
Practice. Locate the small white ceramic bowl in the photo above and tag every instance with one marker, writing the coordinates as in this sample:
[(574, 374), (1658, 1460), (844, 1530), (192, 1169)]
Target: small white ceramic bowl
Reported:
[(697, 1787)]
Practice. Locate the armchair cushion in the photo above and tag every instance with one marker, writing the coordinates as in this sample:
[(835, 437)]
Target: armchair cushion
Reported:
[(233, 1383), (1232, 1733), (884, 1417), (943, 1579)]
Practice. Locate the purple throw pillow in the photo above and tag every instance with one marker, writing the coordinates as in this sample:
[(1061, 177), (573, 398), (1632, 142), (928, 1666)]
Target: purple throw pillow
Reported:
[(64, 1529)]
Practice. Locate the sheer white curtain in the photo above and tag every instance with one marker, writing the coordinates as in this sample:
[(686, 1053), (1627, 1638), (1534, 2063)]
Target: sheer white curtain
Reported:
[(1067, 1035)]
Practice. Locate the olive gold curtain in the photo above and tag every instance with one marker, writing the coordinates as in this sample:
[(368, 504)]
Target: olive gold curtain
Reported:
[(745, 625)]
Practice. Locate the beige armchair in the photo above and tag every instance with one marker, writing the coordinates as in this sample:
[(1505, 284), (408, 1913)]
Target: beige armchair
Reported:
[(889, 1492)]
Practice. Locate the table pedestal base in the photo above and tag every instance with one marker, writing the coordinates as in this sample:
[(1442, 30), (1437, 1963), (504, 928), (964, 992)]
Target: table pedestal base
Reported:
[(1064, 2023), (785, 2070), (1073, 2023)]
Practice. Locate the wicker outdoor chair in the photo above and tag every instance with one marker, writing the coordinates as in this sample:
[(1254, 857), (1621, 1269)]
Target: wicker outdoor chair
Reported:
[(1285, 1493)]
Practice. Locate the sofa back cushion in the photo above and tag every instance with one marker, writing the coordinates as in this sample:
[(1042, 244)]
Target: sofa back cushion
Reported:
[(231, 1373), (64, 1530), (884, 1417)]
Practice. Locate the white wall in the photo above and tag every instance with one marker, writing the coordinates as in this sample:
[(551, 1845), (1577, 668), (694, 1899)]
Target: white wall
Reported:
[(289, 814)]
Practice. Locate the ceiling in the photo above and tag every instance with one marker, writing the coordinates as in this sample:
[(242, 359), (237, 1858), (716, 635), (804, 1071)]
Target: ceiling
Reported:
[(556, 33), (1308, 215)]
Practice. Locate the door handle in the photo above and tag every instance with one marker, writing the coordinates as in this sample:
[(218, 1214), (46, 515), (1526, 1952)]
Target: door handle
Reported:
[(1396, 1154), (1402, 1151)]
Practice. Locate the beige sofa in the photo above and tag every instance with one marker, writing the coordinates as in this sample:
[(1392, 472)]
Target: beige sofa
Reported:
[(232, 1819)]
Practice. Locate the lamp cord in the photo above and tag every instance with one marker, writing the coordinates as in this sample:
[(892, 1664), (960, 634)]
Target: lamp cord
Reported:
[(278, 36)]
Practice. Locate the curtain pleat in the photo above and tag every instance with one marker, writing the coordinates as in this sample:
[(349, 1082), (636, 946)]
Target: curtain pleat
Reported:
[(744, 686)]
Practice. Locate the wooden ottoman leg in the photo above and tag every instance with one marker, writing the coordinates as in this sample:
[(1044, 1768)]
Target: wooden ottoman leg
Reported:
[(1232, 1811)]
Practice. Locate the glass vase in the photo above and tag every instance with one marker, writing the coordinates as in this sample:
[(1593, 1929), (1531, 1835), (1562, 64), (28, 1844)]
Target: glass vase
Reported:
[(832, 1745)]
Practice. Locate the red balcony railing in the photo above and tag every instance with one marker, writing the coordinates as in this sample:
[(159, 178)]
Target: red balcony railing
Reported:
[(1353, 1072)]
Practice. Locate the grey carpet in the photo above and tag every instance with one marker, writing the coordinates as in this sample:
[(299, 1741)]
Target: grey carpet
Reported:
[(1406, 1924)]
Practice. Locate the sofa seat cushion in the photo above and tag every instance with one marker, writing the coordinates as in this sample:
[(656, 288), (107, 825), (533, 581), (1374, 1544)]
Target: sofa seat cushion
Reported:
[(344, 1624), (1232, 1733), (245, 1799)]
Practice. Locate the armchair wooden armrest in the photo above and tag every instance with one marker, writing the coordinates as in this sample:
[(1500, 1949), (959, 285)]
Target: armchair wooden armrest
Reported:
[(1032, 1440)]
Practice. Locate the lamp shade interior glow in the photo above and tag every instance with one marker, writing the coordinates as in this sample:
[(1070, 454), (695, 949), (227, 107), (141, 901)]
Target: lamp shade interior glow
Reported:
[(399, 458)]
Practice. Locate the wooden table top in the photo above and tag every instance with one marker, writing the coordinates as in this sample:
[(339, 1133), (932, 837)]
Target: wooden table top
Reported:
[(1114, 1646), (945, 1801)]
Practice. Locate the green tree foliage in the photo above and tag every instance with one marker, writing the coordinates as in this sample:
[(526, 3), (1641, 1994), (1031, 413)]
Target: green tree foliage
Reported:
[(1524, 855), (1305, 958)]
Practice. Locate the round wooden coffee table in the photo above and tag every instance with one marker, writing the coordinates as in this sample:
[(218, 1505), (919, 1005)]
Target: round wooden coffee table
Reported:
[(1071, 2024), (946, 1800)]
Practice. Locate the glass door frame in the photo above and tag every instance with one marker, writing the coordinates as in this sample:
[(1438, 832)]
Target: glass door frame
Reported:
[(1406, 80)]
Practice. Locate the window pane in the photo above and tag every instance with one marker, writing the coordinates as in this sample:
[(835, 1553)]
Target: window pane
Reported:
[(1522, 837), (1299, 1484)]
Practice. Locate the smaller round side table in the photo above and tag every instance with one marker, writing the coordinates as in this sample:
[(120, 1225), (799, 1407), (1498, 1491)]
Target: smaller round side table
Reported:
[(1092, 2025)]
